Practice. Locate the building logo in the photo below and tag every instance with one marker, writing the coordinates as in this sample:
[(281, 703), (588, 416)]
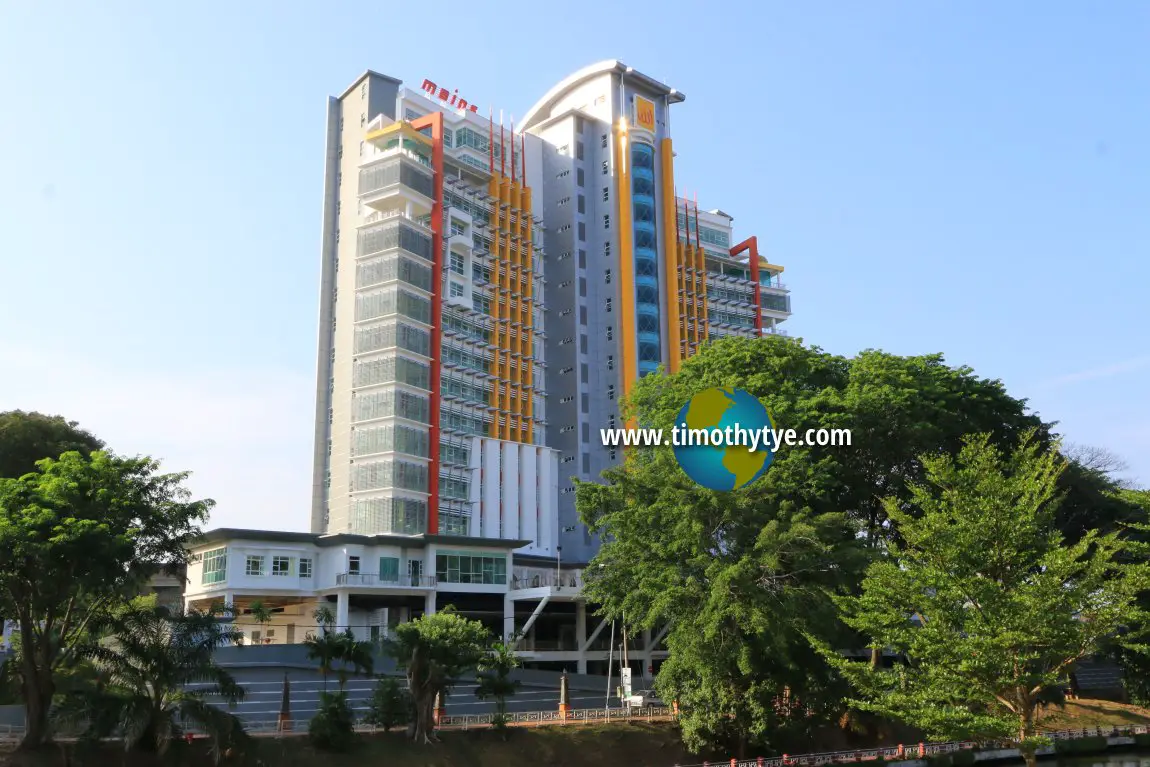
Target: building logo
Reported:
[(727, 444), (645, 113), (450, 98)]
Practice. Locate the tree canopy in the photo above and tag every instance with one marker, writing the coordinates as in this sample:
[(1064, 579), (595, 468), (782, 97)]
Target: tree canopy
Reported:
[(743, 576), (987, 601), (435, 650), (81, 533), (25, 438)]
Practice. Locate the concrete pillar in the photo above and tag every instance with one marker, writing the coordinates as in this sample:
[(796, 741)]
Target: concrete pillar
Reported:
[(581, 635), (342, 607), (508, 618), (429, 603)]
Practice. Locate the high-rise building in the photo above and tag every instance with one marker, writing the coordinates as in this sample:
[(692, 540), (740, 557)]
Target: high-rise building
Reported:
[(489, 294)]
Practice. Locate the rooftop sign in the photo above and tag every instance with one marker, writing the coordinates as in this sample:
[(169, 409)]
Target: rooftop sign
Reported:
[(450, 98)]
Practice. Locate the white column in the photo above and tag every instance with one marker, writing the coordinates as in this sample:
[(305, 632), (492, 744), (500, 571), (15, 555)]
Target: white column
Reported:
[(529, 513), (549, 492), (510, 490), (475, 492), (407, 209), (490, 488), (581, 635), (429, 603), (341, 610)]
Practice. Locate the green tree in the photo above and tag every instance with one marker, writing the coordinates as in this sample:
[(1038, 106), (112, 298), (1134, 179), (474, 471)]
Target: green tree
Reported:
[(26, 438), (390, 705), (435, 650), (80, 534), (494, 680), (146, 669), (333, 726), (261, 615), (754, 568), (985, 598)]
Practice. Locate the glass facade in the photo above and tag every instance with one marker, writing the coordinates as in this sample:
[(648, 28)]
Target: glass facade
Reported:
[(646, 258), (464, 567)]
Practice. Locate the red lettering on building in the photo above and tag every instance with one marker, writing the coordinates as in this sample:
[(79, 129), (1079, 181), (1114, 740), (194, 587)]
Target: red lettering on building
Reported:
[(451, 98)]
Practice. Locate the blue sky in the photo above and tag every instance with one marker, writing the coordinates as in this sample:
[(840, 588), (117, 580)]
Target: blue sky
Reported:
[(966, 178)]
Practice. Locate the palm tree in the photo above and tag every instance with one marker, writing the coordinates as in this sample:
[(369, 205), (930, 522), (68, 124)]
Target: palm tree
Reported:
[(329, 649), (261, 615), (147, 667)]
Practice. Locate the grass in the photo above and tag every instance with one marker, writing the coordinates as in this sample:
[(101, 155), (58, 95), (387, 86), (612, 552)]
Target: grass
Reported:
[(634, 744)]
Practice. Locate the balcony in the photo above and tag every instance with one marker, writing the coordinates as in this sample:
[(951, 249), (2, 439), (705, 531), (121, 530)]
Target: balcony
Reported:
[(534, 579), (374, 580)]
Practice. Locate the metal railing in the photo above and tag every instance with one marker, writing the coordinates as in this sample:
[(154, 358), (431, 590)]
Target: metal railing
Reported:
[(914, 751), (374, 579)]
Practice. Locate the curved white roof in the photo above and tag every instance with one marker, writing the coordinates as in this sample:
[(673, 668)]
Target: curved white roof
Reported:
[(540, 111)]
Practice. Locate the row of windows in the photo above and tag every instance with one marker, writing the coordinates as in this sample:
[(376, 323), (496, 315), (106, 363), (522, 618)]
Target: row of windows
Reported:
[(384, 439), (460, 324), (393, 267), (465, 358), (256, 565), (389, 369), (391, 335), (389, 473), (469, 390), (460, 567), (392, 300), (394, 234), (367, 406), (403, 516), (463, 422), (384, 175)]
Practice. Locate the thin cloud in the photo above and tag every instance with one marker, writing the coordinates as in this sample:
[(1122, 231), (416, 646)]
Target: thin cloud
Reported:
[(1107, 371)]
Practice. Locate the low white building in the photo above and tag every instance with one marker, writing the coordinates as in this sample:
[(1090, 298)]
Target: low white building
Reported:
[(370, 584)]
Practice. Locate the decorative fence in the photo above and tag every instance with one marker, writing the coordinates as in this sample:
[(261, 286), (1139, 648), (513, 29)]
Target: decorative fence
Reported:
[(915, 751)]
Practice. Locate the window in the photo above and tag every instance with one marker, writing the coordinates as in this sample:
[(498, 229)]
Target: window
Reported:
[(582, 259), (363, 91), (579, 150), (579, 176), (608, 305), (583, 287), (466, 567), (389, 569), (361, 149), (605, 168), (586, 463), (607, 250), (281, 566), (603, 141), (457, 263), (606, 221), (563, 149), (582, 230), (607, 276), (579, 121), (582, 315), (583, 343), (305, 568), (585, 403), (353, 565), (456, 289), (610, 391), (610, 362), (215, 566), (254, 566), (606, 194), (582, 204)]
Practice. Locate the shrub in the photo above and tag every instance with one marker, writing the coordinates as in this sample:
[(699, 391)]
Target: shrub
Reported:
[(391, 705), (333, 726), (1142, 741)]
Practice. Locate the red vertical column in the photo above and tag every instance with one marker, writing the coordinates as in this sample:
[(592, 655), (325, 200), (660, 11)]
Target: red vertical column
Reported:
[(752, 244), (435, 121)]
